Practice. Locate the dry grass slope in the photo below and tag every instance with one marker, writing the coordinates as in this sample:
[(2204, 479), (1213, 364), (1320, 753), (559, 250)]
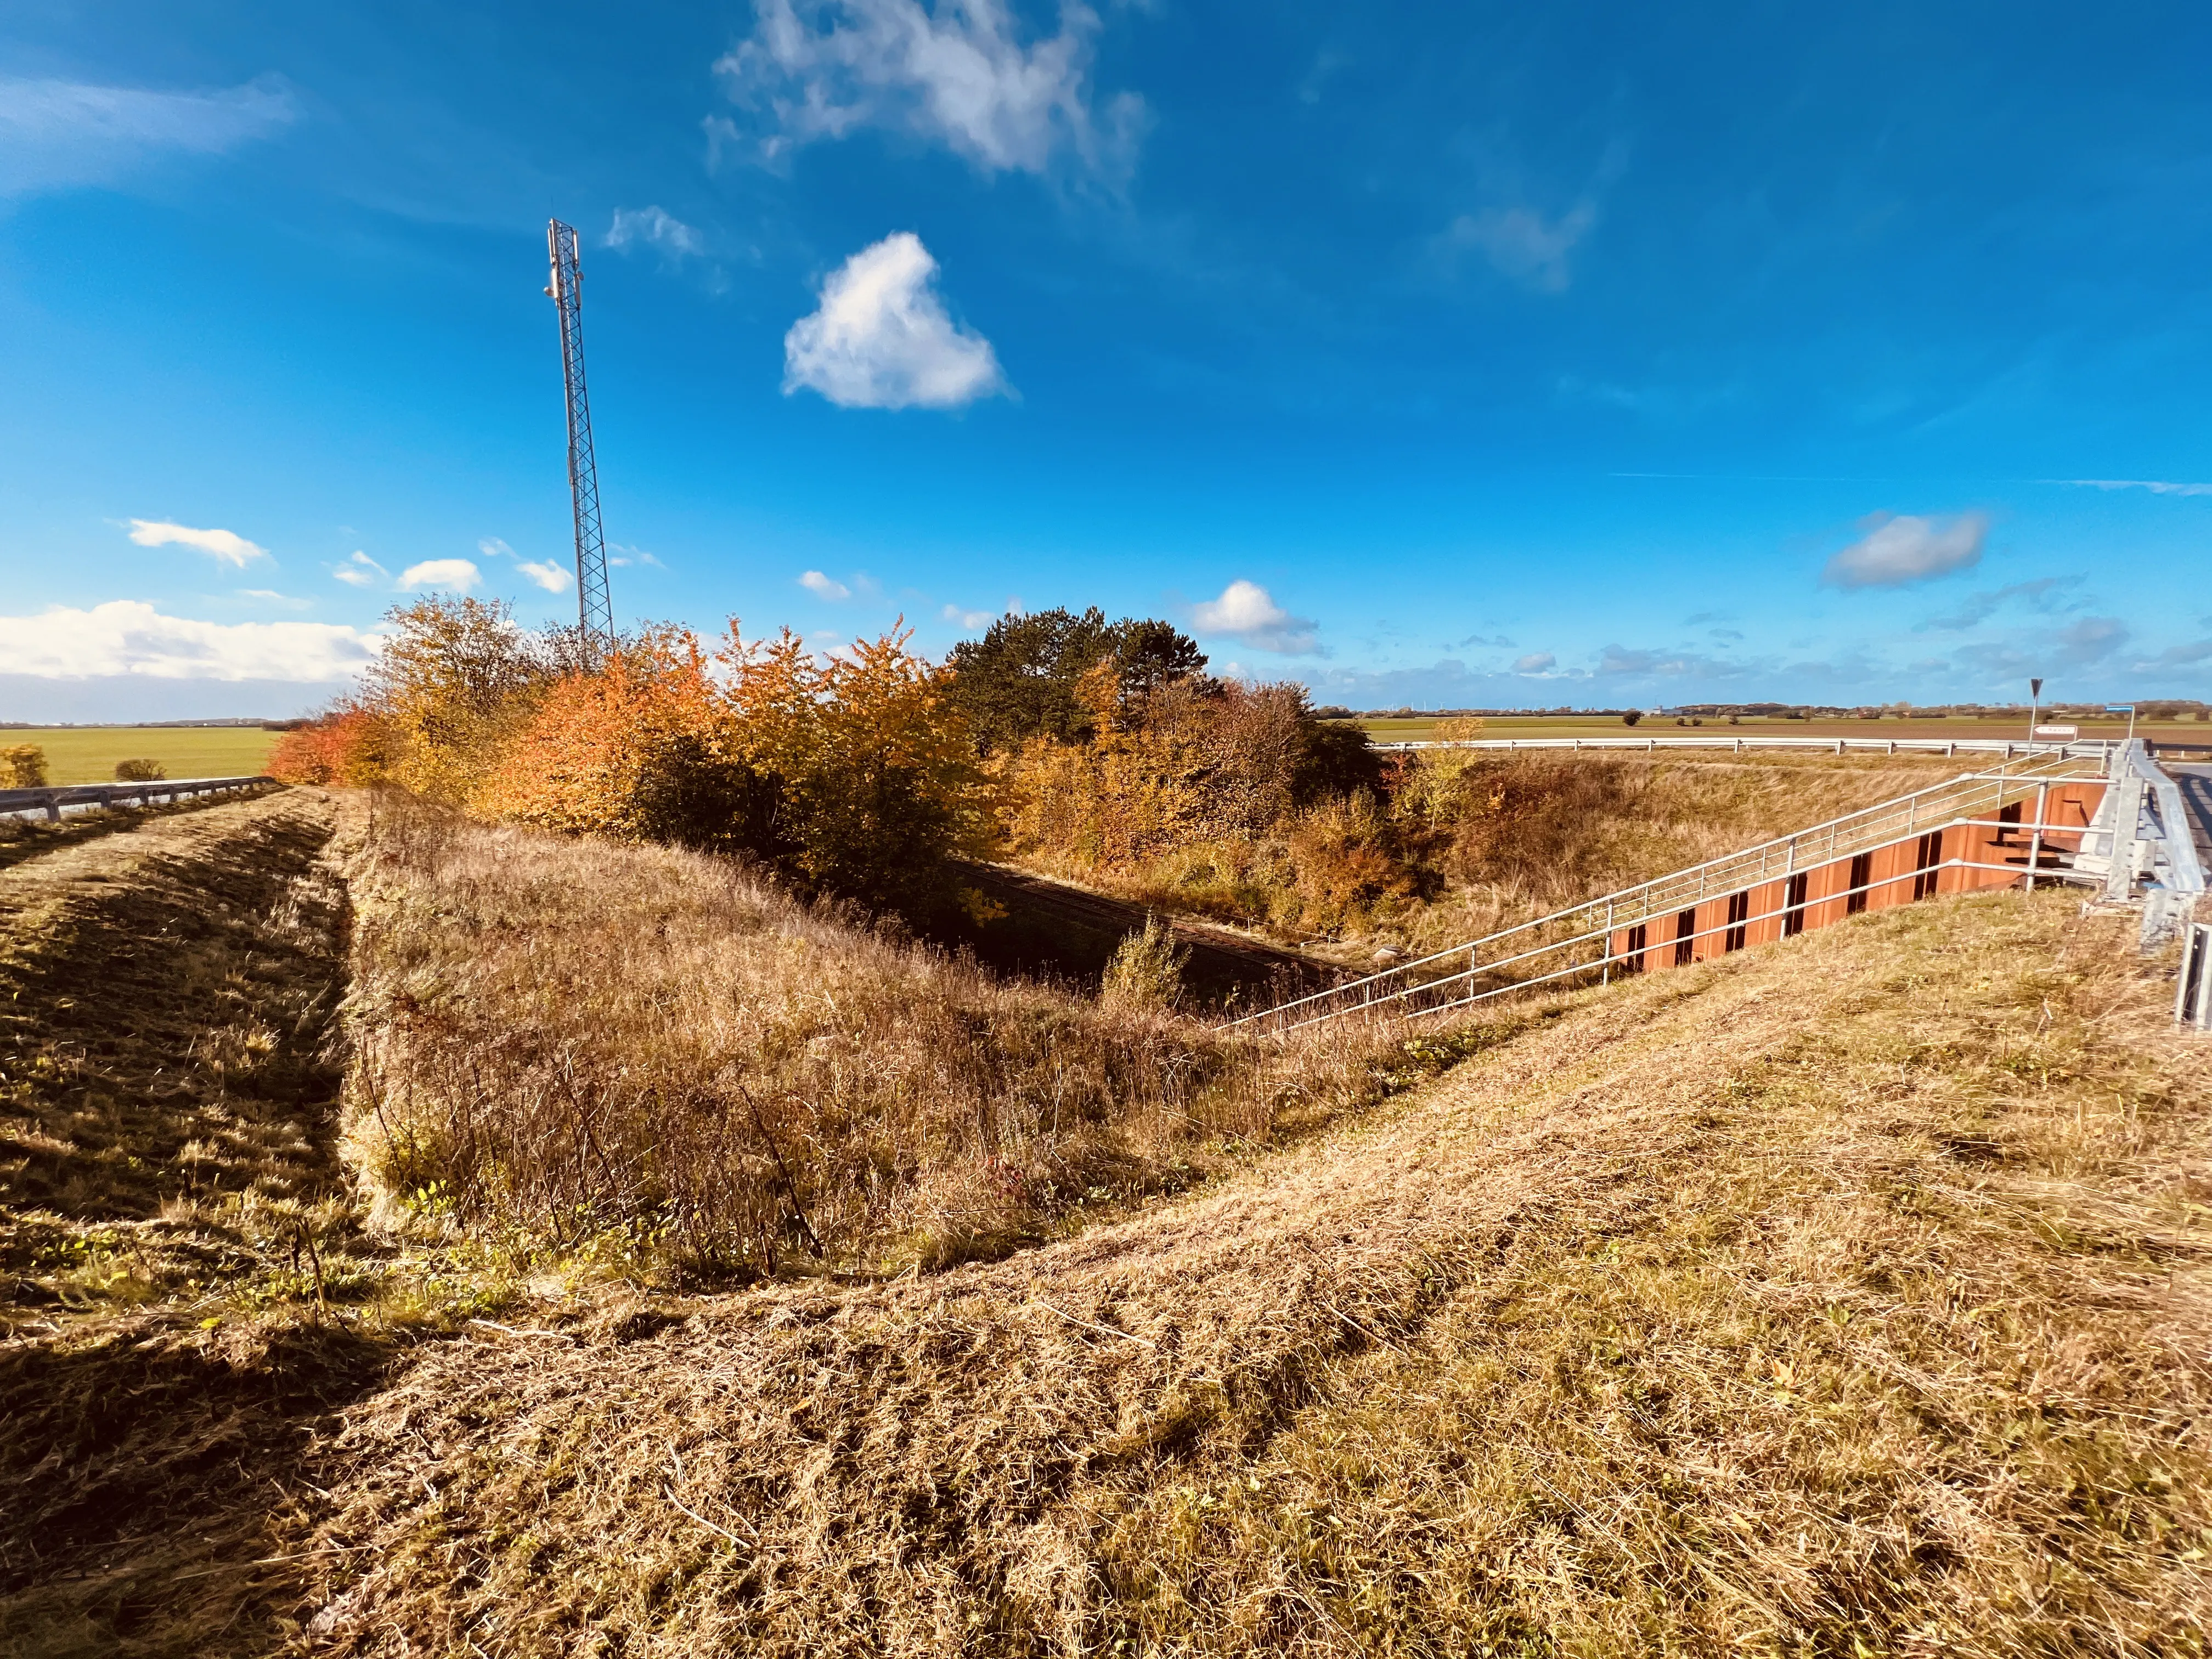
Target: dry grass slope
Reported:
[(167, 1174), (585, 1045), (1846, 1297)]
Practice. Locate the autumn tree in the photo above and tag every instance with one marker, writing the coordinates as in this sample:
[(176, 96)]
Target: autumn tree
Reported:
[(1020, 680)]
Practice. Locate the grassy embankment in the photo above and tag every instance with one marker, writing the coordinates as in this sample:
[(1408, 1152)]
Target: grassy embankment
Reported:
[(685, 1073), (87, 754), (1847, 1296)]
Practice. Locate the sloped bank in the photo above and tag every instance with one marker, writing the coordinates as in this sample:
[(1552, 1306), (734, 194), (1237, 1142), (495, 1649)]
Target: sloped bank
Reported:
[(1851, 1298)]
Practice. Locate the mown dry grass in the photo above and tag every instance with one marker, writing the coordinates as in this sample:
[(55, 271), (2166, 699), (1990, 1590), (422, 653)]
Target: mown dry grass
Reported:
[(170, 1199), (575, 1042), (1843, 1297)]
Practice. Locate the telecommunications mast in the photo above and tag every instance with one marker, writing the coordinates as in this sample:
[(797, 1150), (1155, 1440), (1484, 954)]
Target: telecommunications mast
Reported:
[(595, 610)]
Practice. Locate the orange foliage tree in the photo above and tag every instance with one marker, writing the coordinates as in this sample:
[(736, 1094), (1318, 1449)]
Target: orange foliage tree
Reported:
[(344, 746)]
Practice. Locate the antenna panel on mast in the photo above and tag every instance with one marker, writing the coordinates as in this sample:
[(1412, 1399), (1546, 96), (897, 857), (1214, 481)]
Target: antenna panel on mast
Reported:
[(595, 613)]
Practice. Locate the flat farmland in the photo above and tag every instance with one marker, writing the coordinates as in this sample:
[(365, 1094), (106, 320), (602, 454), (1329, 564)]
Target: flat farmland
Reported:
[(1420, 727), (87, 754)]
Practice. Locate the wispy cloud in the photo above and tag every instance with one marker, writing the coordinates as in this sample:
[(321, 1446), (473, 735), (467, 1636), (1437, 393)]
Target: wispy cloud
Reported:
[(62, 135), (1522, 244), (223, 546), (1246, 611), (959, 75), (129, 637), (2156, 486), (882, 338), (553, 578), (1536, 662), (359, 571), (969, 621), (271, 595), (2179, 656), (1978, 607), (656, 229), (2091, 640), (824, 587), (458, 576), (1642, 663), (1898, 549)]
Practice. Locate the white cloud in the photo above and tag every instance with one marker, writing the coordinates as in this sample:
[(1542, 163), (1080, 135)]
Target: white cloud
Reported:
[(548, 575), (1522, 244), (2156, 486), (967, 620), (1905, 549), (882, 338), (1536, 662), (824, 587), (219, 544), (458, 574), (58, 135), (655, 228), (1246, 611), (129, 637), (959, 76), (271, 595), (492, 548), (360, 571)]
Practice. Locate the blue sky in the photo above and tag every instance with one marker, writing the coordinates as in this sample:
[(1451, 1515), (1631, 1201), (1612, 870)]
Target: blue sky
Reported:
[(1463, 355)]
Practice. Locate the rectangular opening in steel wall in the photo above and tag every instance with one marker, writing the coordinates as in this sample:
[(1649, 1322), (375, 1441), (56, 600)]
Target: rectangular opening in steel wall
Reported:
[(1793, 911), (1686, 937), (1926, 857), (1632, 960), (1739, 911), (1861, 877), (2007, 816)]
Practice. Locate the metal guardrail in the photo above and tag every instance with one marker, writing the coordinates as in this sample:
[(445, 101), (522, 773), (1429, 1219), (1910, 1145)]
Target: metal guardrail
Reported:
[(50, 802), (2096, 749), (2192, 997), (2143, 844), (1962, 799)]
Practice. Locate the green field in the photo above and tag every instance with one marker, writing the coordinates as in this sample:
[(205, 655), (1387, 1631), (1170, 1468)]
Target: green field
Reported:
[(87, 754), (1420, 727)]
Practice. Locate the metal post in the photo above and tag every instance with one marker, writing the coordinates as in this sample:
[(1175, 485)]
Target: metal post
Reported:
[(2035, 842)]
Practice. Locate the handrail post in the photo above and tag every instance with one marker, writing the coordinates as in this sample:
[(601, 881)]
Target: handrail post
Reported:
[(2035, 842)]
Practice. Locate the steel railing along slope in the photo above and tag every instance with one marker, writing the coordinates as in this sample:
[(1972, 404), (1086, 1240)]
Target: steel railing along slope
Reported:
[(1405, 986)]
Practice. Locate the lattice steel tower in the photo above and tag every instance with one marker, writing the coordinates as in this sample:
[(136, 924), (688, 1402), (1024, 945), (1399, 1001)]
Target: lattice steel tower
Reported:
[(595, 610)]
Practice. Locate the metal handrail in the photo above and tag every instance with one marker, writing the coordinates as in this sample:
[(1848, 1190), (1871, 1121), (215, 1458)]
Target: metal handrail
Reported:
[(1940, 806), (49, 800), (1609, 957), (2007, 748)]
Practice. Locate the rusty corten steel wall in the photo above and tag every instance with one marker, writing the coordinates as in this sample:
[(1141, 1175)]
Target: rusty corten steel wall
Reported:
[(1822, 894)]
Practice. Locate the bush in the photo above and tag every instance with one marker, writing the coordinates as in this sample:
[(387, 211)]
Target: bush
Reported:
[(346, 746), (24, 766), (140, 771), (1632, 716), (1146, 973)]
